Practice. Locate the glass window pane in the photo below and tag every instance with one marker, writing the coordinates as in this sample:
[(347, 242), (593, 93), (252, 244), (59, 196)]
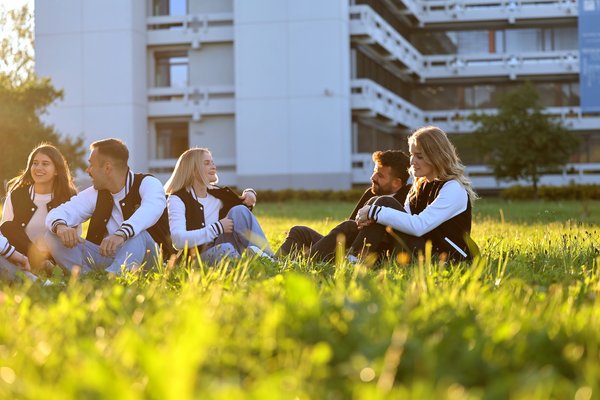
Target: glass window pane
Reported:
[(172, 139)]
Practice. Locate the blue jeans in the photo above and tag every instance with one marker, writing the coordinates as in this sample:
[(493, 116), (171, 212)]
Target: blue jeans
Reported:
[(246, 232), (8, 271), (133, 253)]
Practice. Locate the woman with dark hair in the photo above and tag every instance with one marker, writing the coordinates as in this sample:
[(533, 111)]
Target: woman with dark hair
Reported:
[(43, 185), (437, 208)]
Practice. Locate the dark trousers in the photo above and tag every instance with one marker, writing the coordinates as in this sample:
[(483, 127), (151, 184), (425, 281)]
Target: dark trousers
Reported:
[(375, 238), (302, 240)]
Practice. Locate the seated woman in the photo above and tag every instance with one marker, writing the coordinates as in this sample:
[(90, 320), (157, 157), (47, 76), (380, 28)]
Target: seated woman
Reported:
[(43, 185), (213, 220), (437, 208)]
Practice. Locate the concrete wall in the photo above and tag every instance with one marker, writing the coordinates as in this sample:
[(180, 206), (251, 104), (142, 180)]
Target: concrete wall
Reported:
[(292, 94), (95, 50)]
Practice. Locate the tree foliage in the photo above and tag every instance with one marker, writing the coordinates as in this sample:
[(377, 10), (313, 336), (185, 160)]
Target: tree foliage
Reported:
[(520, 141), (24, 99), (16, 44)]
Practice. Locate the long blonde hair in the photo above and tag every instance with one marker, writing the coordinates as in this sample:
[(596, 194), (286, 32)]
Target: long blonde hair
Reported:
[(189, 165), (437, 150)]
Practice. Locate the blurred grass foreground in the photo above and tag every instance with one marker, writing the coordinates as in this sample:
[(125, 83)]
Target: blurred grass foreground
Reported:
[(523, 322)]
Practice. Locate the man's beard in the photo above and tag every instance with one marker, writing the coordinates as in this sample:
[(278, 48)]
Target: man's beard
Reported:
[(376, 189)]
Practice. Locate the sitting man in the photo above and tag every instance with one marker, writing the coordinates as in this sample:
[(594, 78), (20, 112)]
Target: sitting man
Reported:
[(389, 178), (12, 261), (127, 213)]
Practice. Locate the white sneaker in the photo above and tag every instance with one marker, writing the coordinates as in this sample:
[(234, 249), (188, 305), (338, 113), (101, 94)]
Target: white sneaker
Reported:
[(255, 251)]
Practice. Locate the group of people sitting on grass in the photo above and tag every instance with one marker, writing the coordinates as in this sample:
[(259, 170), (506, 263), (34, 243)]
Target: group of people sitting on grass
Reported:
[(134, 220)]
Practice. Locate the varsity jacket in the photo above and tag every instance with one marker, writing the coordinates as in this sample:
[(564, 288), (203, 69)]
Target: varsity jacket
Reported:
[(400, 195), (6, 250), (142, 208), (196, 233), (440, 213), (23, 208)]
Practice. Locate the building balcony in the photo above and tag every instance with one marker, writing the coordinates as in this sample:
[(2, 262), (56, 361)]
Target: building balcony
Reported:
[(384, 43), (370, 100), (456, 121), (190, 29), (483, 178), (491, 65), (191, 101), (369, 29), (445, 13)]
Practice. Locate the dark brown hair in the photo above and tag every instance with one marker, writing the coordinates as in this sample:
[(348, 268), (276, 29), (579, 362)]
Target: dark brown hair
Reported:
[(63, 187), (114, 149), (397, 160)]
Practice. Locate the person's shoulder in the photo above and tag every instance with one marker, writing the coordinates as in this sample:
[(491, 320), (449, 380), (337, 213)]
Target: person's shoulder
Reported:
[(150, 182), (19, 191)]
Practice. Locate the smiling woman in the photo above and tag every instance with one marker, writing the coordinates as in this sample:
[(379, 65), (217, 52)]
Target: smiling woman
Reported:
[(45, 183)]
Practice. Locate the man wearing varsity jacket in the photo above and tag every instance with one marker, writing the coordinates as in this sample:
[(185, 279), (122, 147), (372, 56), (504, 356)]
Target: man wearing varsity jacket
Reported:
[(127, 214)]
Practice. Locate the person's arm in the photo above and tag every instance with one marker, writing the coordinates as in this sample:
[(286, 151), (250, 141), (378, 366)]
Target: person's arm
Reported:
[(73, 212), (8, 213), (152, 205), (451, 201), (179, 233), (6, 249)]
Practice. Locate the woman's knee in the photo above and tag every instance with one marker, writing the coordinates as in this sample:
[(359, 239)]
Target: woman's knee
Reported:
[(239, 210)]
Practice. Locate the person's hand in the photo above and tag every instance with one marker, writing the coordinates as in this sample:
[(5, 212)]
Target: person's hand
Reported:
[(227, 224), (248, 198), (362, 217), (110, 245), (20, 261), (363, 214), (68, 236)]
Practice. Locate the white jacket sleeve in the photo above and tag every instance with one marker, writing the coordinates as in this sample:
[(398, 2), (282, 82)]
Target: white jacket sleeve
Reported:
[(451, 201), (179, 233), (8, 213), (152, 205), (6, 250), (75, 211)]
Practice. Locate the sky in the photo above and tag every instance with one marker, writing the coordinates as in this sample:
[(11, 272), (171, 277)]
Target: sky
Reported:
[(10, 4)]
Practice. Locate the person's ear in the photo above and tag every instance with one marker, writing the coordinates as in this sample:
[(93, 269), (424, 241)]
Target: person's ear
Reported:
[(397, 184)]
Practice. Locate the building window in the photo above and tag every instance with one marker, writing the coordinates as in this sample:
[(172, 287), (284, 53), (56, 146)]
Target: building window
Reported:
[(169, 7), (172, 139), (171, 69)]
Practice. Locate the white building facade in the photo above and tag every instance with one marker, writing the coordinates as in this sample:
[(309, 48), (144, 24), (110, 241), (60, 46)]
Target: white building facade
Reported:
[(297, 94)]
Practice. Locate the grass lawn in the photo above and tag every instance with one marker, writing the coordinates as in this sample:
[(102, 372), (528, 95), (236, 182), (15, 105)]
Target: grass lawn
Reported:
[(522, 323)]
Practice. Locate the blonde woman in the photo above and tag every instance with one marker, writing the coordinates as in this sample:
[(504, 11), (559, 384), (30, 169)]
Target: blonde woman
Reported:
[(212, 219), (437, 208)]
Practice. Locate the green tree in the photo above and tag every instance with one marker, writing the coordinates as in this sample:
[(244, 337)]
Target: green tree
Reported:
[(24, 98), (520, 141)]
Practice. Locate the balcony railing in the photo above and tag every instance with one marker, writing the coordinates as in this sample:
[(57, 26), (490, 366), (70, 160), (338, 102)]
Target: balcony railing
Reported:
[(482, 176), (191, 101), (369, 29), (456, 121), (431, 12), (372, 100), (190, 29), (511, 65)]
